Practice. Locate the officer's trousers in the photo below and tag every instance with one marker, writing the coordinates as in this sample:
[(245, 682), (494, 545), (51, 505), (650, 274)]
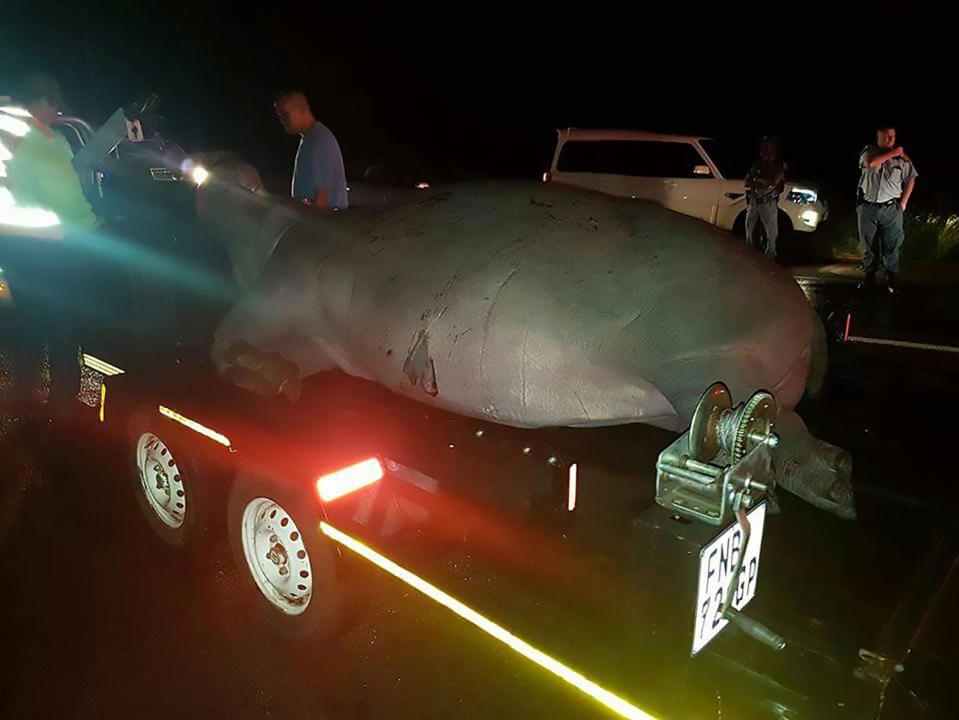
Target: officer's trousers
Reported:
[(880, 229), (767, 213)]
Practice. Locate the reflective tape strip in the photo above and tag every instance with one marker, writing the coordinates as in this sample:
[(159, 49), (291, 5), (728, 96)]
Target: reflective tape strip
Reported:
[(903, 344), (615, 703), (16, 111), (571, 489), (195, 426), (101, 366)]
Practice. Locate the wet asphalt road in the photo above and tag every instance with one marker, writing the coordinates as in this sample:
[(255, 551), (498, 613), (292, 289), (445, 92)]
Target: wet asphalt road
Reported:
[(97, 619)]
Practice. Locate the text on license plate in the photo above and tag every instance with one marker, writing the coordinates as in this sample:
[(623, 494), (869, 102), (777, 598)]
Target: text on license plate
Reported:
[(717, 563)]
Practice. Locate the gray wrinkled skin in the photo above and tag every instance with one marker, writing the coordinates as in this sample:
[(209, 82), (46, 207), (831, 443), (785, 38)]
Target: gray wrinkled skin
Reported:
[(530, 305), (525, 304)]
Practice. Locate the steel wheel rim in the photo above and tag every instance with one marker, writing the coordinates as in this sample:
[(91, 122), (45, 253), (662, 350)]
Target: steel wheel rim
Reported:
[(161, 480), (276, 556)]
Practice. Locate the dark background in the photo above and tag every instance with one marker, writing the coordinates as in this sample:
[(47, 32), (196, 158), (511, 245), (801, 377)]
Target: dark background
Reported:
[(461, 90)]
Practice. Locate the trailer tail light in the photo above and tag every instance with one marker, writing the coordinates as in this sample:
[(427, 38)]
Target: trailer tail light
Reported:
[(349, 479), (571, 490)]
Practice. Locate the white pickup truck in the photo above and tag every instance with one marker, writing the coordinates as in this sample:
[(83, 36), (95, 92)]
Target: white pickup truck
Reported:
[(675, 171)]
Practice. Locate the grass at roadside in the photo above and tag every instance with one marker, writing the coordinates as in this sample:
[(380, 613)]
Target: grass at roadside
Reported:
[(929, 238)]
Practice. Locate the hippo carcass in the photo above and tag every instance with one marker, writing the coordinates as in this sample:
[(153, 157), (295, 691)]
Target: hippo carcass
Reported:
[(526, 304)]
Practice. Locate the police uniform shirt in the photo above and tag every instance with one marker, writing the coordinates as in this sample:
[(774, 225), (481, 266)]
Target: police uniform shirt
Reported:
[(886, 182)]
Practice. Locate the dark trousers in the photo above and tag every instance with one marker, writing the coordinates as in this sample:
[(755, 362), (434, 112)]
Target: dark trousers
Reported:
[(880, 235), (43, 286)]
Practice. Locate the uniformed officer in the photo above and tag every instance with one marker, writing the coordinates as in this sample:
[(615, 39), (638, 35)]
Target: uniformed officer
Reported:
[(887, 181), (764, 184)]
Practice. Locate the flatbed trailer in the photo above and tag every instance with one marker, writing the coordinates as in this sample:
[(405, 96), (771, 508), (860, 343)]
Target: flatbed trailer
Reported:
[(550, 541)]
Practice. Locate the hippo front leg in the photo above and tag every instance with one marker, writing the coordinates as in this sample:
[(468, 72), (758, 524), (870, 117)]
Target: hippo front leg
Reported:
[(812, 469)]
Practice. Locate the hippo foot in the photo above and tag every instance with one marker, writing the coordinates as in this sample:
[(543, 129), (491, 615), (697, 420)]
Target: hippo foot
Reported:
[(817, 472)]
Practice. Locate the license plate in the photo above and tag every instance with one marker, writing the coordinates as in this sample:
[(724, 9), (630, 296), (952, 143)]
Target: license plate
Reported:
[(717, 563)]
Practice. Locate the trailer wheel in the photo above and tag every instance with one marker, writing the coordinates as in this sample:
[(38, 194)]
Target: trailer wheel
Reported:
[(167, 481), (283, 559)]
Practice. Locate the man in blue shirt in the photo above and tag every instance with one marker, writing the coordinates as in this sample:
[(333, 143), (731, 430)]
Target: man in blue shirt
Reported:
[(318, 174)]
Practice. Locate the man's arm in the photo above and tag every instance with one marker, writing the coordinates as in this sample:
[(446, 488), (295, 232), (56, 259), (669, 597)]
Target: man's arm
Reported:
[(753, 181), (906, 192), (874, 158)]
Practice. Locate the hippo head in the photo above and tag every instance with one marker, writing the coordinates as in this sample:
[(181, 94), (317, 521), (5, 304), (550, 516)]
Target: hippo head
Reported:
[(821, 476)]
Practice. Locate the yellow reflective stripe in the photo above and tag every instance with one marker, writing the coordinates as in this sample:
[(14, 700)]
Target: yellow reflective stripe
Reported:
[(101, 366), (611, 701), (195, 426)]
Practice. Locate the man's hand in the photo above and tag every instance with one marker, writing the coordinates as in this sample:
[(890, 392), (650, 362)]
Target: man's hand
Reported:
[(897, 152), (902, 205)]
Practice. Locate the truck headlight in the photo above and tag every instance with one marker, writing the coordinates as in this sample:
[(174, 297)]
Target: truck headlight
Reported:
[(199, 174), (810, 218), (802, 196)]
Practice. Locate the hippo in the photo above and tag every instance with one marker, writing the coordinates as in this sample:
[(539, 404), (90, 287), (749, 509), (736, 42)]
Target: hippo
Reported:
[(522, 303)]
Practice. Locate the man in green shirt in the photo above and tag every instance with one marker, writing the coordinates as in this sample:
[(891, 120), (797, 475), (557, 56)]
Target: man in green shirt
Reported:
[(42, 271), (40, 173)]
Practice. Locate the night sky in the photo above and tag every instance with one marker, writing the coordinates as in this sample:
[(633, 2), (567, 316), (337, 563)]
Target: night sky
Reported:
[(467, 90)]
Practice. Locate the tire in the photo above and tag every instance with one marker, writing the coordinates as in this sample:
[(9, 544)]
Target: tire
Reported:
[(268, 516), (179, 512)]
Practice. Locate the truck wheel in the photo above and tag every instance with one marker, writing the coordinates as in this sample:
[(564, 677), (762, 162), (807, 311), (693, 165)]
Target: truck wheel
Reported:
[(283, 559), (167, 481)]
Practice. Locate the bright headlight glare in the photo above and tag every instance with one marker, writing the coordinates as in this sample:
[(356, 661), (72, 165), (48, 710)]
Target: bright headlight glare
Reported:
[(803, 196), (15, 111), (27, 217), (810, 217), (199, 174)]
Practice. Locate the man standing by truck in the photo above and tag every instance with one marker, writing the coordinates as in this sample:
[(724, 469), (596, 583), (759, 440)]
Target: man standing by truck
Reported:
[(764, 184), (319, 177), (885, 185), (43, 270)]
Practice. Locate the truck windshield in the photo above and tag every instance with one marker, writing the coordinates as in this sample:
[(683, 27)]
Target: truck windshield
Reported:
[(636, 158)]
